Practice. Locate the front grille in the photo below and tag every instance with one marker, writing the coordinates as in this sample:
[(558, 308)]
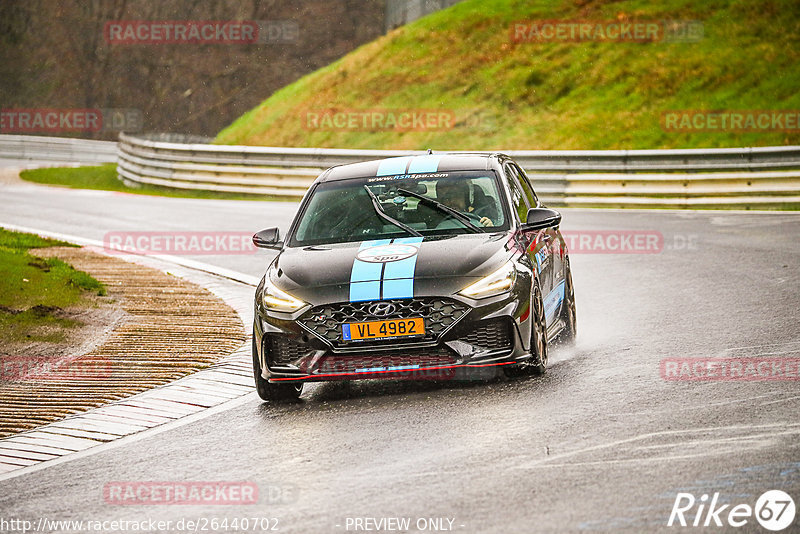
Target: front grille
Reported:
[(439, 315), (495, 334), (282, 350), (362, 362)]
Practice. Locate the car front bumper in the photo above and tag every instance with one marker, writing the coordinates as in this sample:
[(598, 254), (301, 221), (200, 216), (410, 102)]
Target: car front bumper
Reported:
[(464, 339)]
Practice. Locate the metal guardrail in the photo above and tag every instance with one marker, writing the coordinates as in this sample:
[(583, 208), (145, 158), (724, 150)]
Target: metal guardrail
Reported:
[(729, 177), (657, 178), (57, 149)]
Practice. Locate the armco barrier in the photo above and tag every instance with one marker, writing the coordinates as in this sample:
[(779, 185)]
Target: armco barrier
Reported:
[(57, 149), (760, 177)]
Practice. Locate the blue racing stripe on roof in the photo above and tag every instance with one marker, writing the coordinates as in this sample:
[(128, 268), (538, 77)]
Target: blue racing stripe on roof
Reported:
[(424, 164), (391, 166)]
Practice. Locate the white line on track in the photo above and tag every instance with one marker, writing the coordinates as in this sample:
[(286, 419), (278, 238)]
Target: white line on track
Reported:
[(749, 433)]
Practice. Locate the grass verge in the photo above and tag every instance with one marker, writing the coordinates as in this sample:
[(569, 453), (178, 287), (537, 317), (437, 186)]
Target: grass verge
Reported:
[(104, 178), (35, 291), (553, 94)]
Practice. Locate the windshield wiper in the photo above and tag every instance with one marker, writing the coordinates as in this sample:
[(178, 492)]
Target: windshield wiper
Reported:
[(443, 208), (386, 217)]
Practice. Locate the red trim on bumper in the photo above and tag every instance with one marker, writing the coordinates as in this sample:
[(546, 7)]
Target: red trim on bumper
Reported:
[(373, 373)]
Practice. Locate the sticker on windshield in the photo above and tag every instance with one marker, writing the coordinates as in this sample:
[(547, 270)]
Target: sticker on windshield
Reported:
[(386, 253), (408, 177)]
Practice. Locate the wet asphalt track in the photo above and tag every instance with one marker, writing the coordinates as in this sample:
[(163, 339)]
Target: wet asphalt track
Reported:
[(600, 443)]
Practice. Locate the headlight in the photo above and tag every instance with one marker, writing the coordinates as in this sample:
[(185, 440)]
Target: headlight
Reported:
[(500, 281), (278, 300)]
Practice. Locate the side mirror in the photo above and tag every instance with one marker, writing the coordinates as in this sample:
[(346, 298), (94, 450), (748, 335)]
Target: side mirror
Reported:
[(269, 238), (539, 218)]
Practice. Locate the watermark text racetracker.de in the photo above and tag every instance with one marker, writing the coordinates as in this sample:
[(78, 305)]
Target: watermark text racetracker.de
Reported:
[(730, 369), (609, 31), (236, 242), (343, 367), (191, 492), (63, 120), (245, 523), (32, 368), (180, 492), (226, 32), (626, 242), (179, 243), (396, 119), (735, 121)]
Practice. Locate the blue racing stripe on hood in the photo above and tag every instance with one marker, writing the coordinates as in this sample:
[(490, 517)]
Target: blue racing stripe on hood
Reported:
[(365, 278), (398, 276), (389, 280)]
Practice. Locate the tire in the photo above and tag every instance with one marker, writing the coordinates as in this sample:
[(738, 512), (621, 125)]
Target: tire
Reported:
[(538, 361), (537, 364), (273, 392), (568, 313)]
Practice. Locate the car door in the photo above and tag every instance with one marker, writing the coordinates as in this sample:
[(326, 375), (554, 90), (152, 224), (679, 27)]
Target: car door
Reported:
[(556, 252), (538, 242)]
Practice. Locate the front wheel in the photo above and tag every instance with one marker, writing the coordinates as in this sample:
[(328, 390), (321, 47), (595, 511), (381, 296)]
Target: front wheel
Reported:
[(273, 392), (537, 363)]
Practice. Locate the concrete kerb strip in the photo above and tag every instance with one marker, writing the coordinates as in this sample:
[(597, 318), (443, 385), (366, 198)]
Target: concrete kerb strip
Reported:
[(216, 388)]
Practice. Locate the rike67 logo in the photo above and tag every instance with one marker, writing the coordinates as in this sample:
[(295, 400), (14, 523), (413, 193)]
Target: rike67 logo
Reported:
[(774, 510)]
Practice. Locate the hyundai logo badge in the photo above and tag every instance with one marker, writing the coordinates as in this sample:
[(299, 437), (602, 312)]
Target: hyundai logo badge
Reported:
[(382, 309)]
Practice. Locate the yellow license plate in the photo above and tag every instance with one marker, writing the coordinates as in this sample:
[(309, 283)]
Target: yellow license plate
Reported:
[(383, 329)]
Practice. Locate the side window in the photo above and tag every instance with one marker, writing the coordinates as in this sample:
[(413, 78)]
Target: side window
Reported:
[(533, 201), (518, 201)]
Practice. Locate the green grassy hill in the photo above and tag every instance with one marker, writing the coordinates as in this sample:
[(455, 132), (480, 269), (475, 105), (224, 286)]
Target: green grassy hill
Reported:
[(549, 95)]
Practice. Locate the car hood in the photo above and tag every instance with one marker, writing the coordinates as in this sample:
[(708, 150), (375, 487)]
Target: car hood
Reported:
[(385, 269)]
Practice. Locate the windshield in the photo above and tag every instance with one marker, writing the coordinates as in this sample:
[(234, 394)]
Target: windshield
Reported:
[(386, 207)]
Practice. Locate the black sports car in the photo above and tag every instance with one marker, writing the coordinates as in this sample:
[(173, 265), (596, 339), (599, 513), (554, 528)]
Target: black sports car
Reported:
[(418, 267)]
